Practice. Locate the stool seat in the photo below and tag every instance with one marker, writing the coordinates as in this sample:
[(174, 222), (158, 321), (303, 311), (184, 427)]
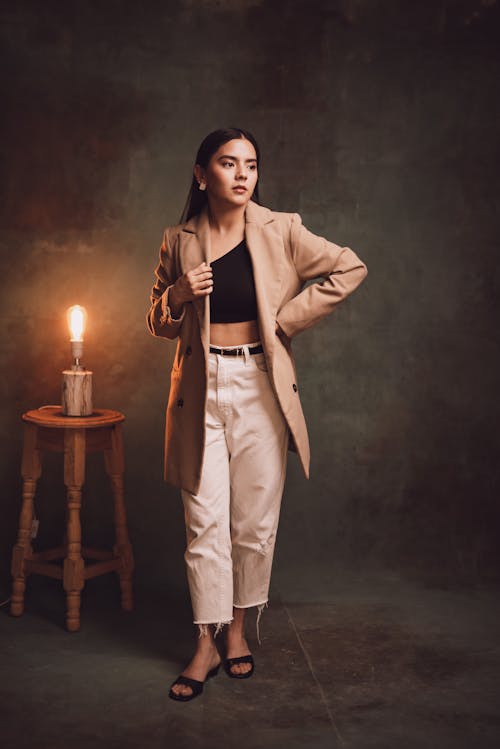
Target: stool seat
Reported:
[(47, 428), (52, 416)]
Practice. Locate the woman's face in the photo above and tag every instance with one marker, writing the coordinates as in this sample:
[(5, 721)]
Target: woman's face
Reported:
[(231, 174)]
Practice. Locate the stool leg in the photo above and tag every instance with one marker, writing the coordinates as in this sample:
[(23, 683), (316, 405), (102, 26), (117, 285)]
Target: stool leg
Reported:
[(74, 568), (115, 465), (30, 471)]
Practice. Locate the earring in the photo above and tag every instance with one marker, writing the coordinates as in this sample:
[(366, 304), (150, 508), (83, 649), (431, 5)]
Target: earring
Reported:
[(202, 186)]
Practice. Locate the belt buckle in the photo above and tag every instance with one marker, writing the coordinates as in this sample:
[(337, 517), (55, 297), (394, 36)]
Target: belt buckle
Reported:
[(238, 351)]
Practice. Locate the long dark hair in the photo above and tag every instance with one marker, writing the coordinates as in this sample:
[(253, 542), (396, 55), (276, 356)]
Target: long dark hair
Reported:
[(197, 199)]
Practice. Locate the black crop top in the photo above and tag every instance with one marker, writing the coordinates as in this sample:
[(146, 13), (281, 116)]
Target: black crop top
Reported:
[(233, 295)]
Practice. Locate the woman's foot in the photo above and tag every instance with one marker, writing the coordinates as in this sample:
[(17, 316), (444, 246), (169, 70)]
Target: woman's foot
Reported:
[(236, 644), (204, 660)]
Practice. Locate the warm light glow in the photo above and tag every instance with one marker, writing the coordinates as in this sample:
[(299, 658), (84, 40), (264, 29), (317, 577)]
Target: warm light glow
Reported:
[(76, 322)]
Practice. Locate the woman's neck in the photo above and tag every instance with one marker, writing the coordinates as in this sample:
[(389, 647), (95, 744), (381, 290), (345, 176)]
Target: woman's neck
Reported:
[(225, 220)]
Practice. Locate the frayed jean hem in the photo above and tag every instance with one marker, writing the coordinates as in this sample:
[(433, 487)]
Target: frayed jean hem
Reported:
[(203, 627)]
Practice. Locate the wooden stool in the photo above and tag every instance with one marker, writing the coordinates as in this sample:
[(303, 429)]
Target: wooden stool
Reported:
[(47, 429)]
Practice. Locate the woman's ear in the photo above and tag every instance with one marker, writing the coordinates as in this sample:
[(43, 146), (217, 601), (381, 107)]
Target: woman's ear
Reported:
[(199, 174)]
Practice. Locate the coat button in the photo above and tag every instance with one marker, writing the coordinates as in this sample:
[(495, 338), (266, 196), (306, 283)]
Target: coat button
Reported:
[(189, 351), (294, 387), (180, 402)]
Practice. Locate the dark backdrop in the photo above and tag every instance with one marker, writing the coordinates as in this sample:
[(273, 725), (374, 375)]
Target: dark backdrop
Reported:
[(378, 122)]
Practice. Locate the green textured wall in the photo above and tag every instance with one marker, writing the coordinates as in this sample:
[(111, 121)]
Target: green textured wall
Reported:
[(378, 122)]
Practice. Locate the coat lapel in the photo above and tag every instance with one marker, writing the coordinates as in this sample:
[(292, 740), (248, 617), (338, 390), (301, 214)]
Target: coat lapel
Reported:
[(263, 242), (195, 248)]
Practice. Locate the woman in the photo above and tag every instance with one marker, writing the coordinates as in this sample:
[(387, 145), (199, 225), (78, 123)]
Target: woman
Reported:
[(230, 287)]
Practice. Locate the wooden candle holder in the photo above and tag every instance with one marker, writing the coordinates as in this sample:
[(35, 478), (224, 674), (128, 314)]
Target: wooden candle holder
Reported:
[(77, 392)]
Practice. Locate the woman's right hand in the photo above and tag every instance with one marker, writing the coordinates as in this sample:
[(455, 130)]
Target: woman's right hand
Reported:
[(192, 285)]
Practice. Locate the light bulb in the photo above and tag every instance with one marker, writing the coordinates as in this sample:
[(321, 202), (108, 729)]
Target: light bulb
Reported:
[(77, 318)]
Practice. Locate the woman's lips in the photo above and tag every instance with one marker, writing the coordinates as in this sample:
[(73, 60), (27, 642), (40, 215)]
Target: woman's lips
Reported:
[(240, 189)]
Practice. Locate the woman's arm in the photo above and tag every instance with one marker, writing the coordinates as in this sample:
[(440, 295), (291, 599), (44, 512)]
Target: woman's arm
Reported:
[(316, 257), (161, 321), (172, 292)]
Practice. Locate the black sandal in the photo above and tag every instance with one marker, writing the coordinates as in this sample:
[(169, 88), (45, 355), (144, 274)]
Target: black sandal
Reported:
[(240, 659), (194, 684)]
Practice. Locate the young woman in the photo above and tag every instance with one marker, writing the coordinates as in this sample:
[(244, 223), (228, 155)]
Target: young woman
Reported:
[(230, 286)]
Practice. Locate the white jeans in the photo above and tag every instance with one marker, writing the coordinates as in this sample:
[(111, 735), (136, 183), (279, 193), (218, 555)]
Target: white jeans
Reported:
[(231, 523)]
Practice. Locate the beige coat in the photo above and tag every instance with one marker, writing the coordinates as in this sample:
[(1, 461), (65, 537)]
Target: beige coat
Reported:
[(284, 256)]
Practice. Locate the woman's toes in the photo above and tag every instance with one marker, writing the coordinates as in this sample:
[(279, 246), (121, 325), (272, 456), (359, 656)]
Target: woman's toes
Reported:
[(182, 689), (240, 668)]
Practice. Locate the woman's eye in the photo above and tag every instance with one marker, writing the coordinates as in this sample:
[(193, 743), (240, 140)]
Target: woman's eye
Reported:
[(253, 167), (227, 163)]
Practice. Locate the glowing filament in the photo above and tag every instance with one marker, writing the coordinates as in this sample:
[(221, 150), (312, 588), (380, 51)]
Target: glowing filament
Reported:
[(76, 322)]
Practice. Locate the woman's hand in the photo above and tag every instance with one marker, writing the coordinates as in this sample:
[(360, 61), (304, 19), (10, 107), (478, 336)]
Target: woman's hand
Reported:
[(192, 285)]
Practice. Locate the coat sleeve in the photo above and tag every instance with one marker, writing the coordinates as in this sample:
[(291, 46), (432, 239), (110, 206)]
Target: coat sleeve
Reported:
[(159, 319), (315, 257)]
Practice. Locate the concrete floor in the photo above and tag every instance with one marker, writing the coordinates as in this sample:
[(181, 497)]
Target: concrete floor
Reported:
[(355, 661)]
